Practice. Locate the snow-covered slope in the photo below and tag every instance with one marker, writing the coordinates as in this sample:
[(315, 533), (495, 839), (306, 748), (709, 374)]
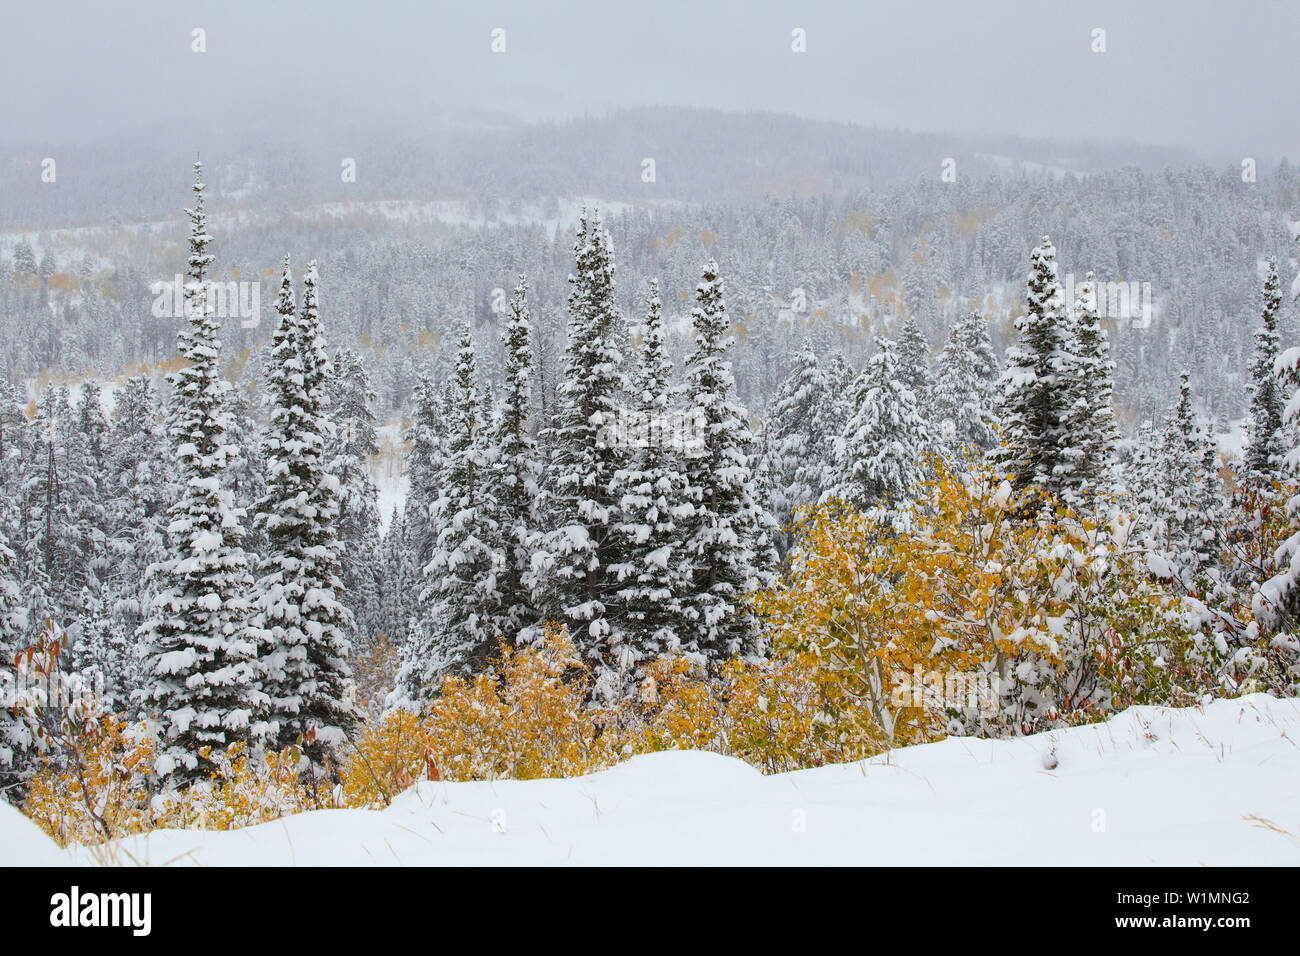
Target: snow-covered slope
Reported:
[(1219, 785), (23, 843)]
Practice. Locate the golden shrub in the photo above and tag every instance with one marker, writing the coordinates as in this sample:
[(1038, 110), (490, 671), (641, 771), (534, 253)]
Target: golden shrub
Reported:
[(98, 789), (526, 717)]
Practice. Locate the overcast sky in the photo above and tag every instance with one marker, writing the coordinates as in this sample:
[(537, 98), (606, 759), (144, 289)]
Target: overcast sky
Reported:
[(1216, 77)]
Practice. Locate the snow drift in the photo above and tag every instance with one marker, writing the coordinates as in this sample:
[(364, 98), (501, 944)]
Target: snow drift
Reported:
[(1215, 785)]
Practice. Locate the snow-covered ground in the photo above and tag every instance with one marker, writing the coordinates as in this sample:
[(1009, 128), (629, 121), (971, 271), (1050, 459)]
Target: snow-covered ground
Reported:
[(1218, 785), (23, 843)]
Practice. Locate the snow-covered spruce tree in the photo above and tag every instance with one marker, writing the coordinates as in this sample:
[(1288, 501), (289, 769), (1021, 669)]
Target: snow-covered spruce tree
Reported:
[(300, 622), (1277, 603), (355, 440), (95, 644), (514, 477), (882, 455), (15, 443), (416, 536), (964, 393), (201, 678), (137, 489), (400, 580), (652, 504), (15, 731), (15, 448), (246, 469), (454, 633), (914, 360), (727, 539), (58, 506), (797, 451), (82, 441), (1143, 483), (15, 451), (832, 416), (981, 346), (427, 438), (1265, 446), (24, 258), (582, 548), (91, 426), (40, 521), (1034, 393), (1090, 429), (1187, 498)]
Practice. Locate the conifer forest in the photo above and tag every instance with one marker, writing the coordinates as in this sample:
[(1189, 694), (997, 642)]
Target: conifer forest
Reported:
[(577, 433)]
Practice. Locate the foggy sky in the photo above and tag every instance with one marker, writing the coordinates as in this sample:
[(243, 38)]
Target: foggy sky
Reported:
[(1219, 78)]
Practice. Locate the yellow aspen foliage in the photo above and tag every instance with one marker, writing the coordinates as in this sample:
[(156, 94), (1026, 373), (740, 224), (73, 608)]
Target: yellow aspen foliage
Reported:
[(838, 603), (389, 758), (977, 579), (678, 707), (100, 790), (526, 717), (996, 611), (791, 712), (246, 789)]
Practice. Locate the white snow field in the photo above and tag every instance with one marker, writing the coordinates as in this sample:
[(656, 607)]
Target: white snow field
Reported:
[(1215, 785), (23, 843)]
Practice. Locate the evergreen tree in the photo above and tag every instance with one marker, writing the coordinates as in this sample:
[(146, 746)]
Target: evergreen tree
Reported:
[(349, 451), (14, 440), (246, 470), (727, 537), (15, 731), (399, 579), (1187, 495), (1034, 398), (581, 549), (61, 512), (454, 634), (85, 471), (42, 520), (881, 456), (1089, 422), (914, 360), (427, 439), (1277, 602), (91, 427), (832, 417), (797, 451), (1143, 477), (202, 677), (15, 452), (964, 394), (300, 622), (652, 505), (140, 490), (24, 258), (1265, 449), (514, 476)]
